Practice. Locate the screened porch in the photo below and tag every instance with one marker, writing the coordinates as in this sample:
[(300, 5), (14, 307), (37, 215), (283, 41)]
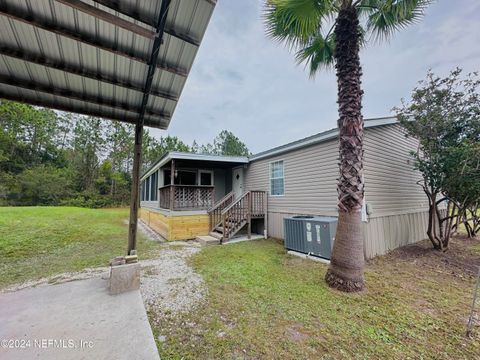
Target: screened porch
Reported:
[(197, 183)]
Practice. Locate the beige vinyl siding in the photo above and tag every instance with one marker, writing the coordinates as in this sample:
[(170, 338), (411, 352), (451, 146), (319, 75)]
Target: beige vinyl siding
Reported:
[(390, 181), (309, 179), (399, 205), (310, 176)]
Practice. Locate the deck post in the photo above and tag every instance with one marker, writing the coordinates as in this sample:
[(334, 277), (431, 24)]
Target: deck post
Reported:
[(249, 214), (172, 184), (134, 200), (265, 214)]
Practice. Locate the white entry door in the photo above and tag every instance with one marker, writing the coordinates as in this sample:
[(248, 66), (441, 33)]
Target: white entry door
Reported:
[(237, 182)]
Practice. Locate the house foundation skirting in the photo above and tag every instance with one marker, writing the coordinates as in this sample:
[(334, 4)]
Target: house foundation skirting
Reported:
[(176, 227)]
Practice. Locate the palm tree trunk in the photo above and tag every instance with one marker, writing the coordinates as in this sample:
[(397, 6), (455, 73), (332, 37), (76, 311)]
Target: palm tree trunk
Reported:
[(346, 268)]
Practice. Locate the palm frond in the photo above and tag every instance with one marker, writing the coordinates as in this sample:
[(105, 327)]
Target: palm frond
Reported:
[(293, 21), (385, 17), (366, 7), (317, 53)]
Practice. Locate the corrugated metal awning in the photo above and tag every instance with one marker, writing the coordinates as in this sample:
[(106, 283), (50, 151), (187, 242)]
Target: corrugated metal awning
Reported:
[(119, 60)]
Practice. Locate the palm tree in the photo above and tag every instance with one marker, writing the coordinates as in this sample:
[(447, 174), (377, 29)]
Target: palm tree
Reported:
[(323, 33)]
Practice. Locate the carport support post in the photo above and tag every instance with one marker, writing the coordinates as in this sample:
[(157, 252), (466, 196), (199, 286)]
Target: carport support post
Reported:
[(134, 200)]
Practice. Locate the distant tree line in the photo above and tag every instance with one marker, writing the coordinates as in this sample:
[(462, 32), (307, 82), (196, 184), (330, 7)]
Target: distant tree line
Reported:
[(54, 158)]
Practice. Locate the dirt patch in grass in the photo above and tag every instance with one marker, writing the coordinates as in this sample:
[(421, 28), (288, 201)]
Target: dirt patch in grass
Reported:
[(296, 333), (264, 304), (460, 259)]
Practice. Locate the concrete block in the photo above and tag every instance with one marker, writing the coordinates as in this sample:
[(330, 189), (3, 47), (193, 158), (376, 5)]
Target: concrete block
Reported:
[(124, 278), (207, 240)]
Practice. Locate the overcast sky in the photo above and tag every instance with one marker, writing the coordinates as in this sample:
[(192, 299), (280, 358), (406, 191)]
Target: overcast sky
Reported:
[(244, 82)]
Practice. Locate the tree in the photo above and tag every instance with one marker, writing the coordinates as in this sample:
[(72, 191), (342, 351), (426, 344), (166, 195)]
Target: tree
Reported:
[(89, 144), (462, 185), (154, 149), (330, 32), (120, 141), (42, 185), (225, 143), (26, 137), (195, 148), (207, 149), (444, 115)]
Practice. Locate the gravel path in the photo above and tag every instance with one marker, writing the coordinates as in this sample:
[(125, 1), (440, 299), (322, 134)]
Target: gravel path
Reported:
[(168, 284)]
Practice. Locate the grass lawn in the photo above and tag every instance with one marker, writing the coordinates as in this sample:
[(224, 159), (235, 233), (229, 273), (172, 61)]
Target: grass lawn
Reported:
[(264, 304), (40, 241)]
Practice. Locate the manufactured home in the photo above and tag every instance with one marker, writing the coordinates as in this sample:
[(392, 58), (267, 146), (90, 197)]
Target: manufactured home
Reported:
[(224, 196)]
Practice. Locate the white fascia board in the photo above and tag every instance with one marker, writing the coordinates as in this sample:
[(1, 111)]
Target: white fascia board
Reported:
[(175, 155), (205, 157)]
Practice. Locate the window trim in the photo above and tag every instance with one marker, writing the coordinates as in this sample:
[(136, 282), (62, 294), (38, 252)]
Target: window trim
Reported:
[(270, 177), (203, 171)]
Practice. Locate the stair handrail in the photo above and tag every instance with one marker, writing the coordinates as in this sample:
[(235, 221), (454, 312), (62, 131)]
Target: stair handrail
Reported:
[(215, 212), (221, 201), (229, 207), (238, 215)]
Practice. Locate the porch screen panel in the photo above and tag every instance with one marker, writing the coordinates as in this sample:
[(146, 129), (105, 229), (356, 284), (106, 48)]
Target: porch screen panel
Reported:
[(147, 189), (154, 186)]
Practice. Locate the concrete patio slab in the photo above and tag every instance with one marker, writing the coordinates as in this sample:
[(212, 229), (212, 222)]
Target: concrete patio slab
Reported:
[(72, 321)]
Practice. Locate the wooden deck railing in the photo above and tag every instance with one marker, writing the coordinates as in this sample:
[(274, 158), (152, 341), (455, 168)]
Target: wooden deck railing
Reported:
[(187, 197), (258, 203)]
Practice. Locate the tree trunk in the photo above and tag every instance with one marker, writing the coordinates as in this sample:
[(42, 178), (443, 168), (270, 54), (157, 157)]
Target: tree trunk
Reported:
[(432, 219), (346, 268)]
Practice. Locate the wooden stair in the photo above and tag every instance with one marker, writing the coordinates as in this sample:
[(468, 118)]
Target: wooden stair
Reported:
[(229, 216)]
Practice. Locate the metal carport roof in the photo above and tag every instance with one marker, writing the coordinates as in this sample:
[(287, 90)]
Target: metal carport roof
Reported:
[(124, 60), (117, 59)]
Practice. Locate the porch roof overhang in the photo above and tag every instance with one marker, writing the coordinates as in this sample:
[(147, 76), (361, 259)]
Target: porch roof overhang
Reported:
[(202, 159), (123, 60)]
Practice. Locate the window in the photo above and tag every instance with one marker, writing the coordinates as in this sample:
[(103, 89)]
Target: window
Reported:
[(277, 187), (205, 177), (142, 191)]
